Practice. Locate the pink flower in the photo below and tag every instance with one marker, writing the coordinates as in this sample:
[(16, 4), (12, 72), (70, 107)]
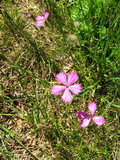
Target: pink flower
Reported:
[(21, 102), (40, 19), (67, 86), (99, 120)]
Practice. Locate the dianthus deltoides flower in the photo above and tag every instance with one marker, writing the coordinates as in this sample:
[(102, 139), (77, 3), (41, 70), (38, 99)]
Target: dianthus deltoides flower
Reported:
[(40, 19), (67, 86), (99, 120)]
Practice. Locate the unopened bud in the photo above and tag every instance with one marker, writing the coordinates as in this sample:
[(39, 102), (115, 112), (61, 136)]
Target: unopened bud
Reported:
[(76, 24), (72, 38)]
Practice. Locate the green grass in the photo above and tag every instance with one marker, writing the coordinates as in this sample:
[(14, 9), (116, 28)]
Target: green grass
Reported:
[(45, 127)]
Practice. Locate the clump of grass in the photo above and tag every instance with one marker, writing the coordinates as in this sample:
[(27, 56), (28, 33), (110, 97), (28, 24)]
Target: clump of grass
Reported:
[(44, 126)]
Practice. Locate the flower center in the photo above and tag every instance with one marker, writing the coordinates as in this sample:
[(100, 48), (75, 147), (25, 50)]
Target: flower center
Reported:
[(67, 86), (41, 18)]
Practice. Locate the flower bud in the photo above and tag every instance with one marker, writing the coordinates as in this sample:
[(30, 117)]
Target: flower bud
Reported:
[(76, 24)]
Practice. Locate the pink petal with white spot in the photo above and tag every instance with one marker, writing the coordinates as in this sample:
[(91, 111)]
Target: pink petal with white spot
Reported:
[(85, 122), (57, 89), (99, 120), (81, 114), (61, 77), (76, 88), (39, 23), (39, 18), (92, 107), (46, 15), (72, 78), (67, 97)]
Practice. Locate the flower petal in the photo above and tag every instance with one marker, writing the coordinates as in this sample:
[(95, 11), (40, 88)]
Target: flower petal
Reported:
[(99, 120), (76, 88), (61, 77), (39, 23), (92, 107), (85, 122), (72, 77), (39, 18), (57, 89), (67, 97), (81, 114), (46, 15)]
